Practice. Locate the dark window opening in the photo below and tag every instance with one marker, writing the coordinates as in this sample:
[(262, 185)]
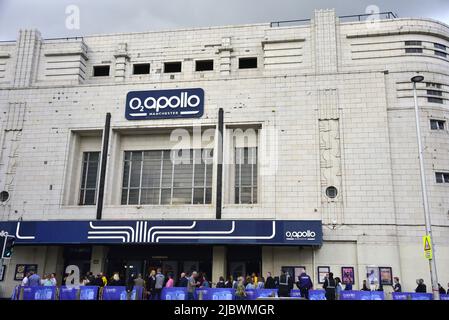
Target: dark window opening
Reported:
[(433, 85), (441, 54), (439, 46), (435, 100), (89, 177), (4, 196), (413, 43), (437, 124), (247, 63), (141, 68), (434, 93), (204, 65), (101, 71), (413, 50), (442, 177), (331, 192), (171, 67)]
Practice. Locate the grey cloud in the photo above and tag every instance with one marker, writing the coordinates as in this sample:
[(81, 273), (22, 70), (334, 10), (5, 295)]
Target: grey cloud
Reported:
[(110, 16)]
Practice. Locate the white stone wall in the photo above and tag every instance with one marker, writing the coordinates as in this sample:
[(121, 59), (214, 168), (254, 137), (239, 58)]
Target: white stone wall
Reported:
[(378, 214)]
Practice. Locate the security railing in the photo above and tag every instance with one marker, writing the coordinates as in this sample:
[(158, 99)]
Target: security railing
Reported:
[(358, 17)]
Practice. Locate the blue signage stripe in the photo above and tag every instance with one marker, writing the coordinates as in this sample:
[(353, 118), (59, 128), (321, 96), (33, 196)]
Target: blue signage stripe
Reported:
[(282, 232)]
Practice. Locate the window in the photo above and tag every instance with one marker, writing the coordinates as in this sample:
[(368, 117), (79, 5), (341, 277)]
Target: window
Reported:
[(165, 177), (141, 68), (246, 175), (331, 192), (204, 65), (437, 124), (4, 196), (441, 54), (439, 46), (89, 177), (433, 85), (101, 71), (442, 177), (413, 43), (247, 63), (434, 93), (435, 100), (413, 50), (171, 67)]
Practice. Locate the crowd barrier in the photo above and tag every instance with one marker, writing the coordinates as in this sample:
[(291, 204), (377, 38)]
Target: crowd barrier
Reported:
[(416, 296), (72, 293), (178, 293)]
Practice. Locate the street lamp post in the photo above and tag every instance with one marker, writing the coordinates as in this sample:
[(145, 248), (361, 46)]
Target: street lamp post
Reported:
[(432, 264)]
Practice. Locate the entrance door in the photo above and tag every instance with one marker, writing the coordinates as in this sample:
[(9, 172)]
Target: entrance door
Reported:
[(244, 260), (237, 269)]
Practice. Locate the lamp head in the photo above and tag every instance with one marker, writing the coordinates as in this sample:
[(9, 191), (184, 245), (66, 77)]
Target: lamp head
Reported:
[(417, 78)]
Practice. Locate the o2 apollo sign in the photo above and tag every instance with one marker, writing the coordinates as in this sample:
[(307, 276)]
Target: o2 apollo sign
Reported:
[(164, 104), (300, 235)]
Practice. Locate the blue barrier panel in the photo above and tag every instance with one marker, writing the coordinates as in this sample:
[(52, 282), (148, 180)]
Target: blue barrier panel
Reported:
[(412, 296), (250, 294), (115, 293), (361, 295), (401, 296), (174, 293), (295, 293), (68, 293), (136, 294), (317, 295), (421, 296), (444, 296), (377, 295), (266, 293), (88, 293), (215, 294), (39, 293)]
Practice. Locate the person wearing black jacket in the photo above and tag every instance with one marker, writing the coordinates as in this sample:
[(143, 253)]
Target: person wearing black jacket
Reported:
[(365, 287), (220, 283), (228, 283), (330, 285), (151, 283), (397, 286), (285, 284), (269, 282), (421, 288), (441, 289), (115, 281), (182, 282)]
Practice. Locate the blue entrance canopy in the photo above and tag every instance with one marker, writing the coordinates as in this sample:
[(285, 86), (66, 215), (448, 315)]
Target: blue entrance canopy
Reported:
[(266, 232)]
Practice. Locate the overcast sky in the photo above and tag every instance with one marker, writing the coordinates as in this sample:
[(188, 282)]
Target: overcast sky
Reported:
[(111, 16)]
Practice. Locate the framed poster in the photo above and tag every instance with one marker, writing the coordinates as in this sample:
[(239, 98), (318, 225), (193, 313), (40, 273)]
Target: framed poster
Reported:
[(372, 275), (294, 271), (323, 271), (386, 276), (298, 271), (22, 270), (347, 275), (2, 272)]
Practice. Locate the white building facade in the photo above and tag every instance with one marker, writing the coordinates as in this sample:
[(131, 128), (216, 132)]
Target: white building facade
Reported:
[(326, 110)]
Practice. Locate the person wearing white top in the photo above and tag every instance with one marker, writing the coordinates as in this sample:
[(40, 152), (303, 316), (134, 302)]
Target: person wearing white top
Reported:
[(53, 279), (25, 281)]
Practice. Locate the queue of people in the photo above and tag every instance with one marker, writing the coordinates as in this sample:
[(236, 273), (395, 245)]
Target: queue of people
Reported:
[(32, 279), (152, 286)]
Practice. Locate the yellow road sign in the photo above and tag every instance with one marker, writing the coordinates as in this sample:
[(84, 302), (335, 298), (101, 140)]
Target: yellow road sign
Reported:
[(428, 253)]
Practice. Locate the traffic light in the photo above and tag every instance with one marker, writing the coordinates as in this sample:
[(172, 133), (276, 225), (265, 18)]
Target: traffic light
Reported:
[(8, 245)]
